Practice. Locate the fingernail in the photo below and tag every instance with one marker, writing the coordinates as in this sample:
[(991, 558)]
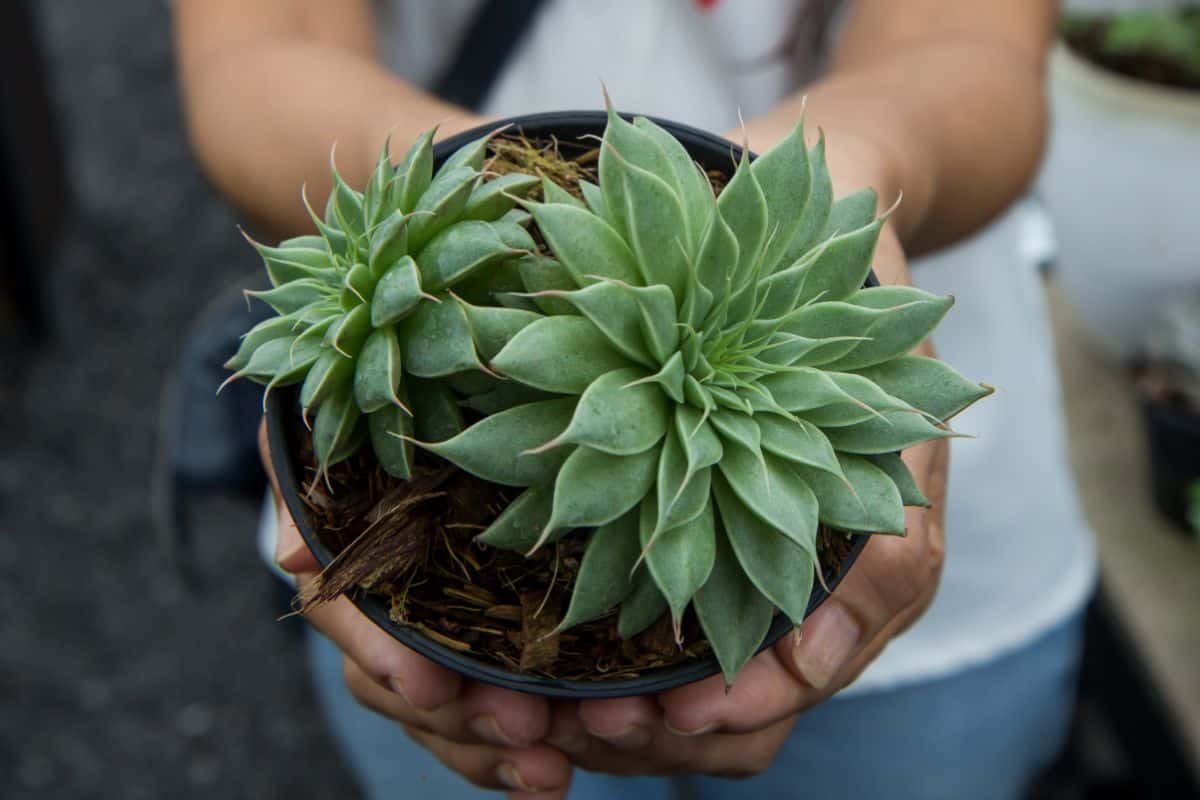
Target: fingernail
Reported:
[(511, 778), (631, 738), (488, 729), (830, 637), (707, 727), (571, 745), (397, 684), (287, 561)]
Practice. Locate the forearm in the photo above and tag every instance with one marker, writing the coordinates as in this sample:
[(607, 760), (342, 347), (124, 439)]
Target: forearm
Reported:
[(263, 117), (954, 121)]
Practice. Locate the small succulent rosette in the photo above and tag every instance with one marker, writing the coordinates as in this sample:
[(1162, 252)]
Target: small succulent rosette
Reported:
[(695, 381)]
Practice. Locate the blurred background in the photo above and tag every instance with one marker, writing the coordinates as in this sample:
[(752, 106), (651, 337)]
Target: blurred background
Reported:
[(120, 673)]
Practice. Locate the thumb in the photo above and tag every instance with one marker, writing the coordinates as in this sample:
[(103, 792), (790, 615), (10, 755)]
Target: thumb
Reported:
[(291, 553)]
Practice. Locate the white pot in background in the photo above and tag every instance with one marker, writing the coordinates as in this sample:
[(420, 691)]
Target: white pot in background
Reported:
[(1121, 180)]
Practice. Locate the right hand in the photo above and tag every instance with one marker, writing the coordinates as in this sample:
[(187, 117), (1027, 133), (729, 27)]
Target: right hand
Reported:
[(491, 736)]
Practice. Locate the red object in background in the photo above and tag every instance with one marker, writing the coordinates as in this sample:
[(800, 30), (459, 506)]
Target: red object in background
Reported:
[(706, 5)]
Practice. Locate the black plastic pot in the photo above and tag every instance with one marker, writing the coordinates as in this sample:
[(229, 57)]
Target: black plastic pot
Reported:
[(284, 427), (1174, 444)]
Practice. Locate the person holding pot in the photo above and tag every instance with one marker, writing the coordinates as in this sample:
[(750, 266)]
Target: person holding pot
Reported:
[(943, 100)]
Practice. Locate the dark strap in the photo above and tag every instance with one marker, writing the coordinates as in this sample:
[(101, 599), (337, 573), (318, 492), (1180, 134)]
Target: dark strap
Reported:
[(494, 35)]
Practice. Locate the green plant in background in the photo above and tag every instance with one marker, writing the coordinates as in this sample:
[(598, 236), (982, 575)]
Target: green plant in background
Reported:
[(1168, 35), (698, 381), (716, 382), (366, 317)]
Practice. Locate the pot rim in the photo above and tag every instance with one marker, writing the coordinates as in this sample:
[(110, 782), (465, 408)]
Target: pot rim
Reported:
[(1143, 98), (281, 403)]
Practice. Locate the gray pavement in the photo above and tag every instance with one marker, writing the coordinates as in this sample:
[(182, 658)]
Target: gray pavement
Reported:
[(115, 681)]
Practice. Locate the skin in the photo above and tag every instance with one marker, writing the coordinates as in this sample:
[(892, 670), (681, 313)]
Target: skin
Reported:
[(944, 100)]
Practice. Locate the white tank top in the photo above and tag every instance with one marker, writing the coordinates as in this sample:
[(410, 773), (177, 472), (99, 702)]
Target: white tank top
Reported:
[(1019, 555)]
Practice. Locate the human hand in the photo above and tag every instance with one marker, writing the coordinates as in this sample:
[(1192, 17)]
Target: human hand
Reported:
[(701, 728), (487, 734)]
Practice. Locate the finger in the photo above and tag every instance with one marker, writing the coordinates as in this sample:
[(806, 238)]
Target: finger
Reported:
[(567, 733), (626, 723), (764, 693), (409, 675), (726, 755), (531, 772), (483, 714)]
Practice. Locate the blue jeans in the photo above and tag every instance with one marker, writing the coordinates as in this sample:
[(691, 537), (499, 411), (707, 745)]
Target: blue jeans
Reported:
[(982, 733)]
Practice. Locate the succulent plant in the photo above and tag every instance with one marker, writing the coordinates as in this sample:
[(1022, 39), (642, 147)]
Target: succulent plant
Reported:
[(694, 380), (713, 383), (366, 315)]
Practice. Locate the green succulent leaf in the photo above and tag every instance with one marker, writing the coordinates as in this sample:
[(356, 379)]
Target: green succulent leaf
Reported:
[(682, 492), (436, 415), (895, 431), (260, 334), (348, 334), (494, 328), (896, 469), (585, 492), (460, 250), (689, 184), (616, 312), (718, 256), (911, 316), (347, 206), (779, 568), (868, 502), (553, 193), (287, 264), (744, 207), (733, 613), (595, 200), (470, 156), (498, 448), (377, 373), (436, 340), (811, 228), (335, 427), (440, 206), (657, 231), (701, 444), (624, 144), (541, 274), (851, 213), (798, 441), (642, 607), (397, 293), (680, 559), (783, 175), (928, 384), (388, 243), (617, 415), (774, 492), (559, 354), (843, 265), (391, 430), (585, 244), (492, 199), (291, 297), (520, 525), (331, 371), (414, 174), (603, 578)]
